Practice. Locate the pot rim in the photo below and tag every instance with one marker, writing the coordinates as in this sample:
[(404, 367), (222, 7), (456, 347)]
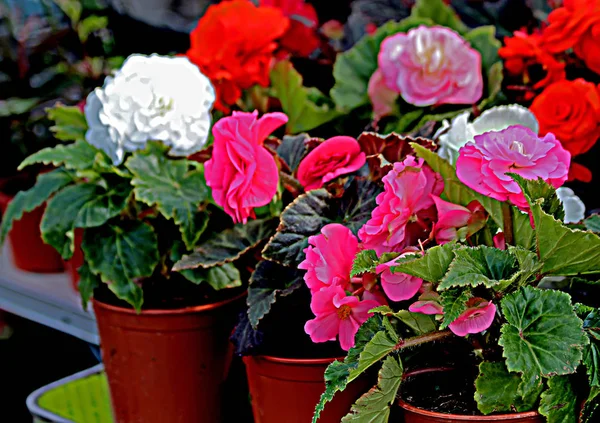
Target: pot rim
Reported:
[(421, 411), (307, 361), (164, 312)]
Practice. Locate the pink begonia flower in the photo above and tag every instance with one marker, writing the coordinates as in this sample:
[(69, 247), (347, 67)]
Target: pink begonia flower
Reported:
[(329, 257), (337, 315), (375, 295), (484, 164), (499, 241), (382, 98), (405, 210), (334, 157), (450, 217), (429, 303), (476, 318), (241, 172), (398, 286), (431, 66)]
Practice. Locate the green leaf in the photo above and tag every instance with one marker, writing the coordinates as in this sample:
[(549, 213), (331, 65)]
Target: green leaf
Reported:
[(172, 187), (431, 267), (523, 233), (78, 156), (122, 255), (87, 283), (268, 281), (26, 201), (541, 193), (382, 344), (591, 353), (353, 69), (455, 191), (496, 388), (440, 13), (591, 408), (336, 379), (374, 406), (480, 265), (529, 265), (495, 76), (228, 245), (483, 39), (306, 108), (365, 261), (454, 303), (292, 149), (542, 334), (530, 388), (17, 106), (418, 322), (90, 25), (84, 205), (592, 223), (308, 213), (225, 276), (564, 251), (559, 402), (69, 122), (71, 8)]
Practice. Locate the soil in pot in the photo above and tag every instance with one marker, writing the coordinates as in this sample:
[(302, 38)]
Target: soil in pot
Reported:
[(29, 252), (446, 395)]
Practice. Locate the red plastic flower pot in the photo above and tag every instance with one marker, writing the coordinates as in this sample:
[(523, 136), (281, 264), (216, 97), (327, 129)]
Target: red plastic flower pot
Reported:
[(29, 252), (287, 390), (167, 365), (414, 414)]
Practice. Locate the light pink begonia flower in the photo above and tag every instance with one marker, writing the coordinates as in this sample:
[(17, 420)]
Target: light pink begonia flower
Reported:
[(382, 98), (329, 257), (405, 210), (241, 172), (476, 318), (337, 314), (398, 286), (431, 65), (484, 164)]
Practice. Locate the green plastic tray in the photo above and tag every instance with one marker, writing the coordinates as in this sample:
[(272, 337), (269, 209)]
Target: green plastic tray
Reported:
[(80, 398)]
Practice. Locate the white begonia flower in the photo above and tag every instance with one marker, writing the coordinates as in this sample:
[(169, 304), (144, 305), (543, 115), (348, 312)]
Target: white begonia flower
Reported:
[(452, 136), (153, 97), (574, 207)]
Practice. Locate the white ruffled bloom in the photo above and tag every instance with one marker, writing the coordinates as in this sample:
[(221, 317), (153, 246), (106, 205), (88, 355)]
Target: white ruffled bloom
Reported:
[(153, 97), (574, 207), (452, 136)]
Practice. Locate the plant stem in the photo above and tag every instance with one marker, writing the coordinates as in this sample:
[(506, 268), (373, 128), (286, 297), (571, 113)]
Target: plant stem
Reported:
[(422, 339), (291, 182), (508, 224)]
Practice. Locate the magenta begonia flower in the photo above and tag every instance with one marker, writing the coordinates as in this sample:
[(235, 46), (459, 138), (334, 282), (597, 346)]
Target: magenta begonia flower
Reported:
[(241, 172), (397, 286), (337, 314), (405, 209), (484, 164), (476, 318), (429, 303), (334, 157), (431, 65), (329, 257), (450, 217)]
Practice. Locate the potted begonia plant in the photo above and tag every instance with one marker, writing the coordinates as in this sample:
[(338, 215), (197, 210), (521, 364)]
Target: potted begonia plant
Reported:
[(474, 325), (125, 181)]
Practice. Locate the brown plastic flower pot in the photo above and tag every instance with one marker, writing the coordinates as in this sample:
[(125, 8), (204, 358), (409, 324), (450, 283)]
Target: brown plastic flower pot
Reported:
[(167, 365), (29, 252), (287, 390), (414, 414)]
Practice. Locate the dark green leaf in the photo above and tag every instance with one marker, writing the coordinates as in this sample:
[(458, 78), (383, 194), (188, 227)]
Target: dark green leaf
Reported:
[(84, 205), (69, 122), (542, 333), (482, 265), (591, 353), (336, 379), (559, 402), (353, 68), (440, 13), (292, 150), (268, 281), (122, 255), (374, 406), (78, 156), (431, 267), (530, 388), (228, 245), (528, 266), (172, 187), (382, 344), (308, 213), (454, 303), (364, 262), (87, 283), (26, 201), (418, 322), (483, 39), (592, 223), (496, 388), (17, 106), (220, 277), (306, 108), (523, 233), (591, 408), (542, 193)]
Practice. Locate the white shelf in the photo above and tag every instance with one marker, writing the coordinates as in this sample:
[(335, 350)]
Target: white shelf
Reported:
[(48, 299)]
